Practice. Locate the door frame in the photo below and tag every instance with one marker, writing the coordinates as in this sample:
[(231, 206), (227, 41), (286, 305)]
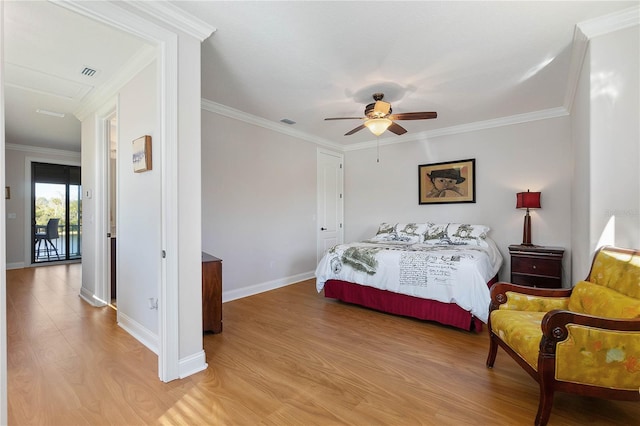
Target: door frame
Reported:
[(340, 231), (103, 285), (3, 242), (166, 43)]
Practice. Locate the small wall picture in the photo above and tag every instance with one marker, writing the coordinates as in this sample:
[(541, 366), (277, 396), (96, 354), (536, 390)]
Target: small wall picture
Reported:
[(142, 154), (447, 182), (7, 193)]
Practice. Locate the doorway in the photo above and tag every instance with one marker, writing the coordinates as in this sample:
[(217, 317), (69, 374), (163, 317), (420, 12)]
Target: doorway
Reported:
[(330, 178), (112, 173), (56, 211)]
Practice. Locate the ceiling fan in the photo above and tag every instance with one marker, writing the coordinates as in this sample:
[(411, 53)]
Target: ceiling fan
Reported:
[(378, 117)]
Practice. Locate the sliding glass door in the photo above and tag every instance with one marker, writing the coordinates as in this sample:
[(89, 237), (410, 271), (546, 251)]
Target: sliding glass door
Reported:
[(56, 212)]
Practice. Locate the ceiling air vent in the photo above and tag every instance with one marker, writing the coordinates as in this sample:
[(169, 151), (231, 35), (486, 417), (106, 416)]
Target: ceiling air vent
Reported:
[(89, 72), (287, 121)]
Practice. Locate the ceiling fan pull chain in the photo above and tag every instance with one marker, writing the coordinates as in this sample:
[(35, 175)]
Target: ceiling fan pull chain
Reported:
[(377, 149)]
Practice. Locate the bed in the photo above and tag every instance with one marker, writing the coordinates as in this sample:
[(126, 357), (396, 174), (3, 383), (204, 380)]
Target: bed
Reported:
[(435, 272)]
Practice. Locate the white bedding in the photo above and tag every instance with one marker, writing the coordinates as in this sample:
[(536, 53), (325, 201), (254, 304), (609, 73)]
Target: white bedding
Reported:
[(446, 273)]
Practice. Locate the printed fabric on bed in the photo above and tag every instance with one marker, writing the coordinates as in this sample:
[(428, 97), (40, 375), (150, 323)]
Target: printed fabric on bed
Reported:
[(456, 233)]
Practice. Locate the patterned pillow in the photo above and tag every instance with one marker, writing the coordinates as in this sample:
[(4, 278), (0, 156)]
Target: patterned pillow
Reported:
[(386, 232), (456, 233), (410, 232)]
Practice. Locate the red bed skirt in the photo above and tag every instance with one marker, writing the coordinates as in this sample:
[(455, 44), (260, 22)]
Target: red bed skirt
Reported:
[(400, 304)]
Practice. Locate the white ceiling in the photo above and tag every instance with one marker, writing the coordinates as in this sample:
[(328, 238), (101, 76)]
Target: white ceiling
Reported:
[(46, 49), (304, 61)]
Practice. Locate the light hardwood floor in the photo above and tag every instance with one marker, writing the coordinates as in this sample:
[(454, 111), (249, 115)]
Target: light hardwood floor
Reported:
[(288, 356)]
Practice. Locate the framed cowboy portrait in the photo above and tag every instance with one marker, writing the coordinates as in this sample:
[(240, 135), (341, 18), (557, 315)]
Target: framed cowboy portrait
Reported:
[(447, 182)]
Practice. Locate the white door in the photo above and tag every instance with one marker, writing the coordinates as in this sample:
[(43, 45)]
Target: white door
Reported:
[(330, 200)]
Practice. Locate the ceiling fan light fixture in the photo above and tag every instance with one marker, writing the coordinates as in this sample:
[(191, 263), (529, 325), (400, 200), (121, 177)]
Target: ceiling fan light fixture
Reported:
[(377, 126)]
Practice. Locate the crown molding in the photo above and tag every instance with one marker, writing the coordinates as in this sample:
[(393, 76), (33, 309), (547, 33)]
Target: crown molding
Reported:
[(95, 100), (176, 17), (583, 32), (226, 111), (43, 151), (612, 22), (465, 128)]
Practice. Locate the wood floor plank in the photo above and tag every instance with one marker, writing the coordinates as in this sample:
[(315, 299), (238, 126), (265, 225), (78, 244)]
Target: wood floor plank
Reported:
[(287, 356)]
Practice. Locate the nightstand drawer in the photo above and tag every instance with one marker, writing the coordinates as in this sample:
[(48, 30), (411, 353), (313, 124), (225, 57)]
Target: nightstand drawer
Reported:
[(536, 266), (528, 280)]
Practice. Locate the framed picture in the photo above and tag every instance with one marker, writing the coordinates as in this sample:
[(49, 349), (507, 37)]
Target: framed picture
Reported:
[(447, 182), (7, 193), (142, 154)]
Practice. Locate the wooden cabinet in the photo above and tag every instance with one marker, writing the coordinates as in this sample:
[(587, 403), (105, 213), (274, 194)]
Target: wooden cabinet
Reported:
[(211, 294), (536, 266)]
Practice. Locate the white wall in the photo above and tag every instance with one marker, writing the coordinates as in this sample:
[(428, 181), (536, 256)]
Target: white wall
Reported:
[(138, 242), (510, 159), (16, 161), (615, 136), (258, 205), (139, 204), (606, 183), (91, 266)]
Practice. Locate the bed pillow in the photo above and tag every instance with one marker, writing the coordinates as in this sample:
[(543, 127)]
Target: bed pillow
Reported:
[(386, 232), (410, 232), (456, 233)]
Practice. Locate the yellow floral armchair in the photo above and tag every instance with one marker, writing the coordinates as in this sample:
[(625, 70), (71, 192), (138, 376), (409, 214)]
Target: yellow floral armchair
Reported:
[(583, 340)]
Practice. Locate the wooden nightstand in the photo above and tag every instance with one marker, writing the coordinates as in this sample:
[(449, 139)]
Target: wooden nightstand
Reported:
[(211, 293), (536, 266)]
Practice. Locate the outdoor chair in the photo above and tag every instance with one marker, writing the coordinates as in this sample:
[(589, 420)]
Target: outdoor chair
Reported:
[(48, 236)]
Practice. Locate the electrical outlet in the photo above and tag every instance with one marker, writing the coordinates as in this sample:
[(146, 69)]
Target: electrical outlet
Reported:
[(153, 303)]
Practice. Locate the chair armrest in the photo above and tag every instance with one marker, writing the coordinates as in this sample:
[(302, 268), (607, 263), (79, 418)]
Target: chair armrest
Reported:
[(554, 326), (499, 293)]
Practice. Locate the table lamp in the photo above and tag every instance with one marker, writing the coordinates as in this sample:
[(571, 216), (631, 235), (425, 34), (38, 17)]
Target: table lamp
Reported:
[(527, 200)]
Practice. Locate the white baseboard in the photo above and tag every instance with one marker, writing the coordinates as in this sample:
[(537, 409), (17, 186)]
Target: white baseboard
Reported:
[(192, 364), (230, 295), (139, 332), (15, 265), (89, 297)]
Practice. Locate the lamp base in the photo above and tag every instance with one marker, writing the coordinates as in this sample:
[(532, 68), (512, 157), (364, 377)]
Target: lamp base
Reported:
[(526, 231)]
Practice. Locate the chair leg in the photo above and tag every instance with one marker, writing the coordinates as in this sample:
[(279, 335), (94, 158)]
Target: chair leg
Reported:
[(55, 249), (49, 245), (493, 350), (545, 405)]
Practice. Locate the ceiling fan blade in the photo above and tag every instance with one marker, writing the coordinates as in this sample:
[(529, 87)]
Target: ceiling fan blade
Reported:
[(357, 129), (414, 116), (344, 118), (397, 129)]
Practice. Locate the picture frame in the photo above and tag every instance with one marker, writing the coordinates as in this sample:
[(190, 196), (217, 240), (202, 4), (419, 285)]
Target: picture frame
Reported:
[(7, 192), (447, 182), (142, 154)]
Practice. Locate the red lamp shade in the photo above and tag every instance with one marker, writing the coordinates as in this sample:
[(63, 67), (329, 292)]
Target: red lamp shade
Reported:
[(528, 200)]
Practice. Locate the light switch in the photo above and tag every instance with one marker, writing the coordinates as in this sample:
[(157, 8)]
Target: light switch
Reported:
[(11, 215)]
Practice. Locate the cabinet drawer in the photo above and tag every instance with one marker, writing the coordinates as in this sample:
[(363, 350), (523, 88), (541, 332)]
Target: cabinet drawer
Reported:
[(544, 282), (536, 266)]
